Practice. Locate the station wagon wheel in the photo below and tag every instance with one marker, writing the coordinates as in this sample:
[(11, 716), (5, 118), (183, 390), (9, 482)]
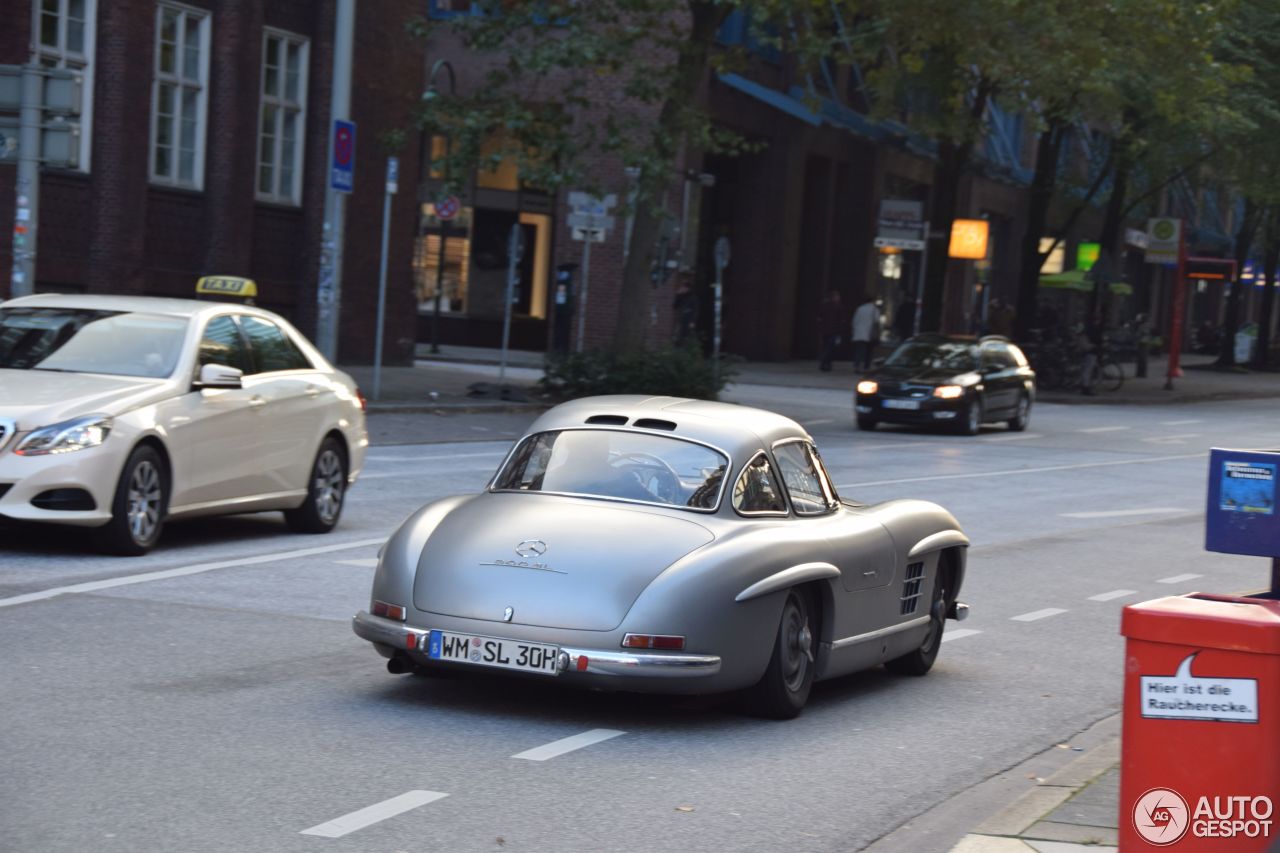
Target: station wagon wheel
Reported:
[(920, 660), (1022, 416), (971, 417), (784, 689), (326, 491), (139, 505)]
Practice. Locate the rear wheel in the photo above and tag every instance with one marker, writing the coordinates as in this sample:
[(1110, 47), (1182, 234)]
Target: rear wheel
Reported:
[(139, 505), (326, 491), (1110, 376), (784, 689)]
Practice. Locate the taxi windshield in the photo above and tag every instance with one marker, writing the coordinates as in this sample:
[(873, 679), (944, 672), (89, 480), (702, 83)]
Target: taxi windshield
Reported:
[(617, 464), (79, 340)]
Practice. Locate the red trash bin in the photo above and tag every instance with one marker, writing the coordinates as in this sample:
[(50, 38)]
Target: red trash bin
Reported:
[(1200, 748)]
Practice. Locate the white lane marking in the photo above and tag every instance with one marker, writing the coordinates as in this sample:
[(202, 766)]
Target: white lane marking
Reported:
[(370, 815), (892, 445), (1182, 423), (1011, 471), (165, 574), (1172, 439), (1114, 594), (820, 421), (568, 744), (1180, 578), (363, 563), (1017, 436), (959, 634), (1038, 614), (435, 458), (1104, 429), (1121, 513)]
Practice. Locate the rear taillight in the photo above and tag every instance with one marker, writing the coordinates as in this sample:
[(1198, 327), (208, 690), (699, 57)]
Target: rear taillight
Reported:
[(667, 642), (388, 611)]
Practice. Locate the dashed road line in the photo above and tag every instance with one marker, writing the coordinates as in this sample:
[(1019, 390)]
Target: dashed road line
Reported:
[(1038, 614), (1104, 429), (1114, 594), (1171, 439), (1182, 423), (817, 421), (959, 634), (363, 563), (165, 574), (568, 744), (1179, 578), (1017, 436), (370, 815), (1124, 513), (434, 458)]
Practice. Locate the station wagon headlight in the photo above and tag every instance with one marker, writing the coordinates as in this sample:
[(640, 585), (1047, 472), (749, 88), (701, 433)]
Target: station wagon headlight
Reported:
[(65, 437), (868, 386), (948, 392)]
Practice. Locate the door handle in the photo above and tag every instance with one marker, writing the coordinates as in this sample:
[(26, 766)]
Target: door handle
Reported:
[(257, 402), (868, 574), (312, 391)]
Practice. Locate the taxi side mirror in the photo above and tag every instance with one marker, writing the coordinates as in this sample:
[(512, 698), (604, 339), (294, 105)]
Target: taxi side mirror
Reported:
[(220, 376)]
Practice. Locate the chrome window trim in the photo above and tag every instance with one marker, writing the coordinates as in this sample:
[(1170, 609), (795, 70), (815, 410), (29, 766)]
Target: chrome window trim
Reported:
[(785, 512), (831, 507), (883, 632), (728, 461)]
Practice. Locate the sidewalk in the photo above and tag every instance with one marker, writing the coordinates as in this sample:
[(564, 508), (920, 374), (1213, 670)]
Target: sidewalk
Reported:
[(465, 379)]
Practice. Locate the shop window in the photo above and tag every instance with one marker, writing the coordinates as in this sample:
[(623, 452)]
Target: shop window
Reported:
[(178, 97), (451, 277), (282, 117)]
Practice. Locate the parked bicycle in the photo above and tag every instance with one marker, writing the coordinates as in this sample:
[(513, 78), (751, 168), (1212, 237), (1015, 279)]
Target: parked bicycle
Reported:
[(1058, 367)]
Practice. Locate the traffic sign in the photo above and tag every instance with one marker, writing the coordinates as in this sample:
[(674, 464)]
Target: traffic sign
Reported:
[(341, 173), (722, 252), (593, 235), (590, 220), (447, 208), (393, 174)]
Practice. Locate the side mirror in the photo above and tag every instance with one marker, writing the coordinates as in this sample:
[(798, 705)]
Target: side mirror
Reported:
[(220, 376)]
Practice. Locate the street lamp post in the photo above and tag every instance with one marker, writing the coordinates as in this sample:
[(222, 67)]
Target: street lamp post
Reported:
[(428, 96)]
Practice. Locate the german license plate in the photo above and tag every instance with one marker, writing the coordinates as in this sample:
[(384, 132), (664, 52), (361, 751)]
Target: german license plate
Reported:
[(492, 651), (902, 404)]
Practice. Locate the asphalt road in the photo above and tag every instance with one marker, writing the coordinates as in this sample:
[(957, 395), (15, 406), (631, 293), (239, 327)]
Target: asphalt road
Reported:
[(211, 695)]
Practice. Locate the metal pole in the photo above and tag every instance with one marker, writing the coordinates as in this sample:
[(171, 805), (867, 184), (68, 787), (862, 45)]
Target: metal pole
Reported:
[(435, 315), (382, 290), (715, 338), (924, 264), (1179, 302), (329, 289), (582, 293), (514, 252), (27, 213)]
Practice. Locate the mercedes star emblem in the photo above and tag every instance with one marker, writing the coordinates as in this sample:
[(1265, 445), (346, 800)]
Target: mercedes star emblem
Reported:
[(531, 548)]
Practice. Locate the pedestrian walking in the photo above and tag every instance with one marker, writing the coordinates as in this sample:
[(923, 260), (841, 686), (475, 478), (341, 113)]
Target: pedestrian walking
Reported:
[(866, 331), (1090, 348), (831, 324)]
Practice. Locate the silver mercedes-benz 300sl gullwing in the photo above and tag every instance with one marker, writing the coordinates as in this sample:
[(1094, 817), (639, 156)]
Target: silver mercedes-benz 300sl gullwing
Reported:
[(667, 545)]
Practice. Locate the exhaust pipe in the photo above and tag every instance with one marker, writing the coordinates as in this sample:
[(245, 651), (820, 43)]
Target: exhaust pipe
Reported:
[(400, 665)]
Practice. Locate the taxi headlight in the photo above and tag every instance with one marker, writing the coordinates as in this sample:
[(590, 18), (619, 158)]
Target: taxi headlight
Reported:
[(65, 437)]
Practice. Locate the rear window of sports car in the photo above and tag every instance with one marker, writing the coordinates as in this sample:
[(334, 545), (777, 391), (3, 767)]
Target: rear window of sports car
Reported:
[(617, 465)]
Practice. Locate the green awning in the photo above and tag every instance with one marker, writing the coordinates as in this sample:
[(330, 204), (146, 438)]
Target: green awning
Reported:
[(1075, 280)]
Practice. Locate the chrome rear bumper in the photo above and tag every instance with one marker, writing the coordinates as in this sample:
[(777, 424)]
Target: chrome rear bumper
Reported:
[(572, 661)]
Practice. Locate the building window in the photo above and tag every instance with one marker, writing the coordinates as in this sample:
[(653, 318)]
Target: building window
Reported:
[(65, 39), (179, 96), (282, 118)]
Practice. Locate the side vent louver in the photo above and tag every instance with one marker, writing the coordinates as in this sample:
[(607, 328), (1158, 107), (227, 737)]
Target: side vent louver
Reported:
[(654, 423), (607, 420), (911, 588)]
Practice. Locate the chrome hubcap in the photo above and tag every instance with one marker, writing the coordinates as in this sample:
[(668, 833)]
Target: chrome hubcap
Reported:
[(797, 646), (144, 501), (328, 486)]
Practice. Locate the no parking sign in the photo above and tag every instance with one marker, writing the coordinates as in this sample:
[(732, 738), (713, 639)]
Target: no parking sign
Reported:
[(344, 156)]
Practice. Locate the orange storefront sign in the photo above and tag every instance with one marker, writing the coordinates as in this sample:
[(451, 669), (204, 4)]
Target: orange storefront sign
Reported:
[(968, 239)]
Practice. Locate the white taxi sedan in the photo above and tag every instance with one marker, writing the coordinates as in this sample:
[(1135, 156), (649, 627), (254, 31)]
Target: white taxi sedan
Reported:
[(119, 412)]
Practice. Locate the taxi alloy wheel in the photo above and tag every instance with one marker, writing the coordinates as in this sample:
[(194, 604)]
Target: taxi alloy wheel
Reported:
[(326, 492), (139, 506)]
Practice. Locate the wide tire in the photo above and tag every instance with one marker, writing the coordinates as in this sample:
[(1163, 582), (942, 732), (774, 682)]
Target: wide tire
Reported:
[(326, 492), (866, 423), (920, 660), (782, 692), (138, 507), (1022, 416)]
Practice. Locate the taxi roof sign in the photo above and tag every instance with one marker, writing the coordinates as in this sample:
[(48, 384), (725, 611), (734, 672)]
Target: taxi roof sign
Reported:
[(227, 285)]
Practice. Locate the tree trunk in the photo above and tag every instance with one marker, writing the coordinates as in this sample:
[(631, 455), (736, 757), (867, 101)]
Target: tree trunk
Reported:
[(1048, 152), (691, 67), (1109, 241), (1270, 258), (1231, 323), (953, 163)]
